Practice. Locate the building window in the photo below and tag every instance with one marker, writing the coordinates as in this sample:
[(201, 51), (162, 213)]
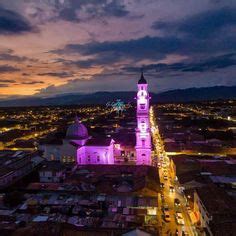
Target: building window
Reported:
[(143, 142), (88, 158), (52, 157), (142, 106), (98, 159)]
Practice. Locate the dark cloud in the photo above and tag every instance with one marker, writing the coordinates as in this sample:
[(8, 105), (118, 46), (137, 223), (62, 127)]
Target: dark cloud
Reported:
[(32, 82), (25, 74), (13, 23), (68, 14), (114, 8), (57, 74), (202, 25), (206, 65), (8, 69), (11, 57), (101, 59), (208, 23), (78, 10), (146, 47), (153, 48), (7, 81), (4, 85)]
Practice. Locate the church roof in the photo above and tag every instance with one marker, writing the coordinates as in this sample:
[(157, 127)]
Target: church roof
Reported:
[(142, 80), (77, 131), (99, 141)]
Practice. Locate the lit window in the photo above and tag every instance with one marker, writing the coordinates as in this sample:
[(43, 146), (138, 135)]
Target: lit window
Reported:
[(52, 157)]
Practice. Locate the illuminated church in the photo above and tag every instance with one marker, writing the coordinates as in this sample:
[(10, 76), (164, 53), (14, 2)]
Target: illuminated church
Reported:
[(84, 149), (143, 134)]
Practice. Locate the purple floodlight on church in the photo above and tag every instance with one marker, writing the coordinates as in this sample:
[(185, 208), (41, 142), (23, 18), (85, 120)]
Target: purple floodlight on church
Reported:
[(143, 135)]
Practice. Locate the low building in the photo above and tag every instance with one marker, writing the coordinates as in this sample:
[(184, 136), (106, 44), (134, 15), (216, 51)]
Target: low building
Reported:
[(215, 211), (52, 172), (16, 164)]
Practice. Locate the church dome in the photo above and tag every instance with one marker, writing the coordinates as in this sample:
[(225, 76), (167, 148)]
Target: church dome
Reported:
[(77, 131)]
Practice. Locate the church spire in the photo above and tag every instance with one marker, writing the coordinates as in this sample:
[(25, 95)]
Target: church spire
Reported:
[(142, 79)]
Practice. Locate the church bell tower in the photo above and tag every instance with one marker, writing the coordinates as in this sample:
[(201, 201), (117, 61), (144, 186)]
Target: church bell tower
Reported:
[(143, 134)]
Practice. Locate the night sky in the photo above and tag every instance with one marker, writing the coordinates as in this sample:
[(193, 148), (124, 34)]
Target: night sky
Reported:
[(50, 47)]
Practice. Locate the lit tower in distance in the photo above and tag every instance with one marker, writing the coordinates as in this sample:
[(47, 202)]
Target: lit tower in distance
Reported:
[(143, 135)]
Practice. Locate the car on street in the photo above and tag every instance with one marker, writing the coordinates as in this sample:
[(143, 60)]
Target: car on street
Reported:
[(165, 208), (162, 197), (166, 212), (184, 233), (179, 218), (172, 189), (177, 202), (189, 209), (167, 216)]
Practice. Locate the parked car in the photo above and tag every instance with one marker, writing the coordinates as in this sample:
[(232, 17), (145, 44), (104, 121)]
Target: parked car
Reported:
[(167, 216), (172, 189), (165, 208), (162, 197), (179, 218), (184, 233), (177, 202)]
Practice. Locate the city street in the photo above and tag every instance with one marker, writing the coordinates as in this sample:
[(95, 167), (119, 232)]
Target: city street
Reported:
[(169, 191)]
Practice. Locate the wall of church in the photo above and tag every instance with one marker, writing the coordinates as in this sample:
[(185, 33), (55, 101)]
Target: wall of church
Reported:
[(143, 156), (124, 154), (143, 135), (68, 152), (95, 155), (81, 158)]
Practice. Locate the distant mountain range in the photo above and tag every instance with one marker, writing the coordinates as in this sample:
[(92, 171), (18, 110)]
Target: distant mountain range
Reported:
[(179, 95)]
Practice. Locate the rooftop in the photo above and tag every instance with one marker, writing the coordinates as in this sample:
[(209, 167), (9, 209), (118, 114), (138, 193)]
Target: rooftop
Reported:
[(216, 201)]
